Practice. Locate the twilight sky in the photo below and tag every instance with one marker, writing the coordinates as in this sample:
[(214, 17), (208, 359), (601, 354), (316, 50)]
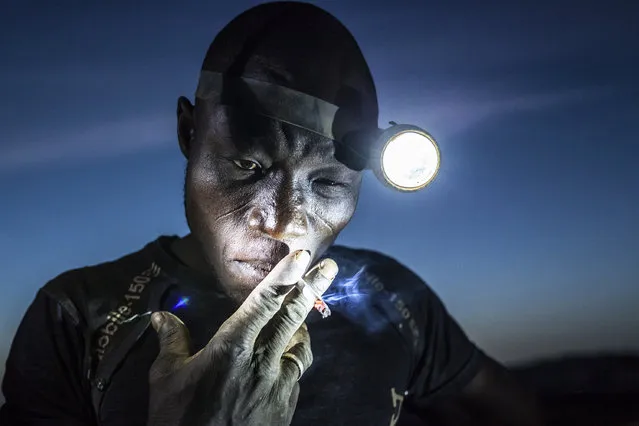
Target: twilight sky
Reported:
[(530, 234)]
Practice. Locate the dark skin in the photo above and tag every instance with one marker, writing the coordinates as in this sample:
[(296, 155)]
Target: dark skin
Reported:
[(283, 191), (282, 187)]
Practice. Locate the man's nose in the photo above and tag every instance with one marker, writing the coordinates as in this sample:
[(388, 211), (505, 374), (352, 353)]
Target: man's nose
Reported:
[(282, 217)]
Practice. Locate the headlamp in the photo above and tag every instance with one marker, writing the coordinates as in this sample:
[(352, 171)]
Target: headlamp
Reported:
[(403, 156), (410, 158)]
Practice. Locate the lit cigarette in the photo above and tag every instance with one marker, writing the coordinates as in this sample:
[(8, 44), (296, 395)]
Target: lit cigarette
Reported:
[(320, 306)]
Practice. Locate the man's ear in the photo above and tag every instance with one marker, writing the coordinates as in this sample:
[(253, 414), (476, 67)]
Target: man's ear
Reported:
[(185, 125)]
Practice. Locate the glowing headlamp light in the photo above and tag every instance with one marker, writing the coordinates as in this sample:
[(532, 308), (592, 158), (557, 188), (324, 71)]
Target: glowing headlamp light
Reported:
[(403, 156)]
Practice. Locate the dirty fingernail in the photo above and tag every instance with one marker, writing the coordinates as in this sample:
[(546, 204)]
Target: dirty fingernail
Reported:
[(328, 268), (302, 255), (157, 319)]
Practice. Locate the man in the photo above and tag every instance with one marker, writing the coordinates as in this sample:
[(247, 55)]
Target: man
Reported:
[(265, 198)]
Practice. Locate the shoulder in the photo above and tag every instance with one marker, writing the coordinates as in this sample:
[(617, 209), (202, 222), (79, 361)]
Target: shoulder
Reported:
[(91, 290), (378, 269), (381, 291), (443, 356)]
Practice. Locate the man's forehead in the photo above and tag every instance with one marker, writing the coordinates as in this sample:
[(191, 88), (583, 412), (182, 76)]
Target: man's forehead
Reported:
[(248, 132)]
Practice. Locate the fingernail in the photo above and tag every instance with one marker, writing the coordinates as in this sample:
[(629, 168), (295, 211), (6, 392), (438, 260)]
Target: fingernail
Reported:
[(157, 319), (328, 268), (302, 255)]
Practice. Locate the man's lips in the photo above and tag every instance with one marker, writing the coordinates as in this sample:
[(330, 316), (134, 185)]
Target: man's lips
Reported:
[(253, 269), (252, 263), (259, 264)]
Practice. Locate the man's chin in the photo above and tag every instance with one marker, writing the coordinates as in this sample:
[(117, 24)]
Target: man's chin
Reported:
[(249, 273), (242, 278), (238, 294)]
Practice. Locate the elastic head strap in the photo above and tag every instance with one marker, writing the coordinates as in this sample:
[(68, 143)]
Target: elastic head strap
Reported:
[(270, 100)]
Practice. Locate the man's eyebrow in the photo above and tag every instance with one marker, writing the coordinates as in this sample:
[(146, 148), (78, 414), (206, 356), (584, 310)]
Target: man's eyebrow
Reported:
[(248, 146), (339, 168)]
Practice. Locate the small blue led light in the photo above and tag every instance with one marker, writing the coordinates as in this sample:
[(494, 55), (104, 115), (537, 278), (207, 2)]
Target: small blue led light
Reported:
[(184, 301)]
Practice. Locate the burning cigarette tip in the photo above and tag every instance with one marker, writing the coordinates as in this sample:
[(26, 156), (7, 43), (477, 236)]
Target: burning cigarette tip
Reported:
[(321, 307)]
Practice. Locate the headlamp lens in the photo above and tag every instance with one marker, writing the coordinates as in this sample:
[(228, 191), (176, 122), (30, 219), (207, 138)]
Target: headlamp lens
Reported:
[(410, 160)]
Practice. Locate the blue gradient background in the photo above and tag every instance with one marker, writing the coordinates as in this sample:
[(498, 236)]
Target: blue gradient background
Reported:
[(530, 234)]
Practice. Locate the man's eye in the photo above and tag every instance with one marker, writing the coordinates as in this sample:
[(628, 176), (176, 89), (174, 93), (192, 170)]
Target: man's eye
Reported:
[(246, 164), (328, 182)]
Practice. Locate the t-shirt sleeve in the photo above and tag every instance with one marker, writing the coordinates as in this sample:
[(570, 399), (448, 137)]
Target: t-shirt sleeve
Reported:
[(446, 360), (43, 382)]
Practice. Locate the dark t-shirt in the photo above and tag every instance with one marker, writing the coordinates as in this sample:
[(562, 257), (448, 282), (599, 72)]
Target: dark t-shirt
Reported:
[(387, 349)]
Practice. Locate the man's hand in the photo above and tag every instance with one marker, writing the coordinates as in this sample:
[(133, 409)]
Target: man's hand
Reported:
[(247, 374)]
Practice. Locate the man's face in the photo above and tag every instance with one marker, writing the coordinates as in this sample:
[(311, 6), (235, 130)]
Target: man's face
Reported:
[(257, 189)]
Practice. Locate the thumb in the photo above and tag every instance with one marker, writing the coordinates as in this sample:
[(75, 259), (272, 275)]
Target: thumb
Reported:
[(173, 335)]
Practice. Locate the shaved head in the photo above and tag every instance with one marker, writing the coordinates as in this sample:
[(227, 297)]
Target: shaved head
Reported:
[(301, 47)]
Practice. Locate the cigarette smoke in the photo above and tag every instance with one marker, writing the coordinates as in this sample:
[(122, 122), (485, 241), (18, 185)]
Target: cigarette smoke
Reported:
[(355, 297)]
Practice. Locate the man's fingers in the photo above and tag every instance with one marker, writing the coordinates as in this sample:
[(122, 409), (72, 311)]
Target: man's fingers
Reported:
[(301, 336), (295, 309), (320, 277), (173, 335), (266, 299), (296, 360)]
